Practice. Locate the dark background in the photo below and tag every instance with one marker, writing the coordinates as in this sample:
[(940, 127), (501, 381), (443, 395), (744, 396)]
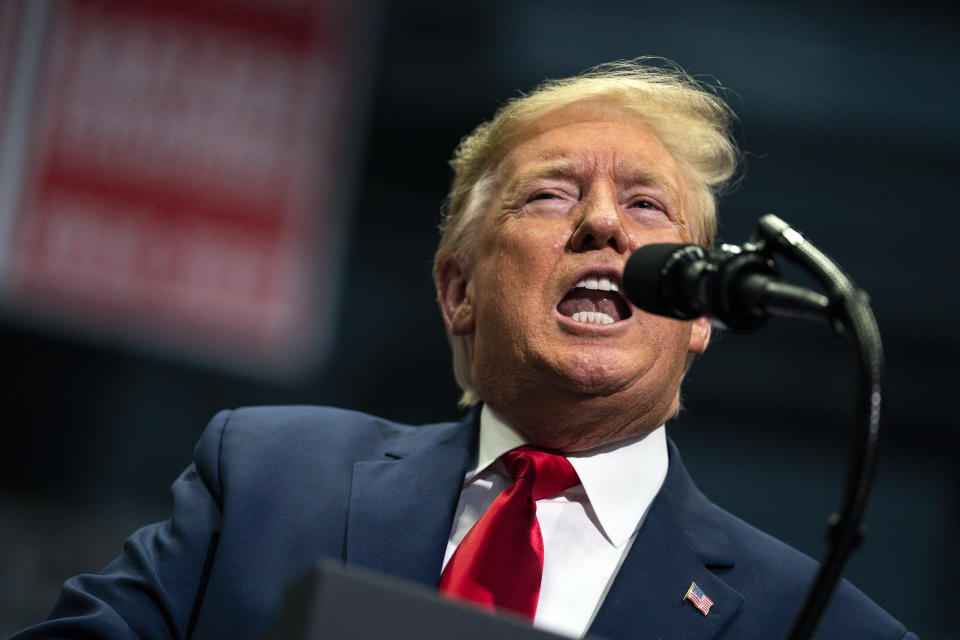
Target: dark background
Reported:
[(849, 113)]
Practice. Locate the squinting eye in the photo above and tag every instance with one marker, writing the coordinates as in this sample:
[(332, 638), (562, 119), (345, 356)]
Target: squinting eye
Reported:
[(549, 202), (644, 204)]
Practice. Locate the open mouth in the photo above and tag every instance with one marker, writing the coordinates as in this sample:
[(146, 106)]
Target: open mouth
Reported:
[(595, 300)]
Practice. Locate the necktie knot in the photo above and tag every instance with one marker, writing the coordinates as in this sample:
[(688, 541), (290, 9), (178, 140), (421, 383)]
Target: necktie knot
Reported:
[(548, 473)]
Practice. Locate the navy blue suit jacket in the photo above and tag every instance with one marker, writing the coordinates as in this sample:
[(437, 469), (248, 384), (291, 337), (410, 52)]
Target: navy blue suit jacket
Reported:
[(272, 490)]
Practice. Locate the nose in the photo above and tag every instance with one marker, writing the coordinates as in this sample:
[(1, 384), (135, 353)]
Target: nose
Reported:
[(601, 226)]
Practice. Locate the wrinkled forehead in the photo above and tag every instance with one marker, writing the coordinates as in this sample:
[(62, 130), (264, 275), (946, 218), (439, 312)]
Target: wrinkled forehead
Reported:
[(535, 150)]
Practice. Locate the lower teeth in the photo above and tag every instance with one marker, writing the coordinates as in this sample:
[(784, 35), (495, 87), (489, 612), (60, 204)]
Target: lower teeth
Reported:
[(592, 317)]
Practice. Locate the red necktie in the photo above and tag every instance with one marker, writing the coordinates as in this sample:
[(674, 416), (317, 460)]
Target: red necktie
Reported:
[(499, 563)]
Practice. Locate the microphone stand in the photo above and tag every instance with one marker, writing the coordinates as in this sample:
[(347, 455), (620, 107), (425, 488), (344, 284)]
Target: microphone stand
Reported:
[(850, 315)]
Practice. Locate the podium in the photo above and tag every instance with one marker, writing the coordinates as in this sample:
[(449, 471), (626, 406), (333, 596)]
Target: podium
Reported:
[(333, 602)]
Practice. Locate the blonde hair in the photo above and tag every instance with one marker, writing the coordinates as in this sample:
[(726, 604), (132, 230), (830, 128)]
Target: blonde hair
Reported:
[(689, 118)]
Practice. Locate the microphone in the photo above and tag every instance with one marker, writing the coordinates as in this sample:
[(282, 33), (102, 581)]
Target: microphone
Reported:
[(738, 288)]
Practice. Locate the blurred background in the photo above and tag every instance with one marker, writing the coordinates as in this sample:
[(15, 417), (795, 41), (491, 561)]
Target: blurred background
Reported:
[(216, 204)]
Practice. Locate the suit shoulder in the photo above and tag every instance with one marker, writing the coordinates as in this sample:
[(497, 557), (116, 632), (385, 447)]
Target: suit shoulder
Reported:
[(760, 551), (254, 451), (312, 432), (769, 570), (304, 420)]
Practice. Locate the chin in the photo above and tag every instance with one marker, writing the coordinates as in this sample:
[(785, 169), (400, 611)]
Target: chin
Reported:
[(596, 375)]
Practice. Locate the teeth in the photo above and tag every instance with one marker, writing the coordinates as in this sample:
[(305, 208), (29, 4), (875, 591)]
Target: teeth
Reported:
[(592, 317), (598, 284)]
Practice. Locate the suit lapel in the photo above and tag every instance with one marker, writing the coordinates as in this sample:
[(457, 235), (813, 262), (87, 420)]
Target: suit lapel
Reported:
[(679, 543), (401, 508)]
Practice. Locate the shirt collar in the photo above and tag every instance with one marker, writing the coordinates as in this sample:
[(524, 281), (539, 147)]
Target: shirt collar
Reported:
[(620, 479)]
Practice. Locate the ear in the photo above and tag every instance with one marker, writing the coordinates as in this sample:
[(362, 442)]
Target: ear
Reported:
[(699, 335), (454, 297)]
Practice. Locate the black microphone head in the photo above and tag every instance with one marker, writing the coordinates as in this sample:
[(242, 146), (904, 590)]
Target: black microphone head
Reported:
[(651, 279)]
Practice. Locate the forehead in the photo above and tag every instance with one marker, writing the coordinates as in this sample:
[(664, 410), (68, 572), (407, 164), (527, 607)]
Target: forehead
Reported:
[(587, 137)]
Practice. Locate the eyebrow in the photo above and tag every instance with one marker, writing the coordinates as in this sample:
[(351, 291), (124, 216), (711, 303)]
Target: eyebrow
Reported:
[(554, 167), (647, 177)]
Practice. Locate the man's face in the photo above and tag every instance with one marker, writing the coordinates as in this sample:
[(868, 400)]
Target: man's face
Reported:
[(548, 329)]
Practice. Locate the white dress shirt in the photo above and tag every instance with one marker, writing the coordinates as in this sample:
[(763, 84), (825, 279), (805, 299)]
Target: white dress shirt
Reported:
[(587, 529)]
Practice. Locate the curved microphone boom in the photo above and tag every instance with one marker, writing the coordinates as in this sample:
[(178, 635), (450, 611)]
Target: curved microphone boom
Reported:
[(736, 287)]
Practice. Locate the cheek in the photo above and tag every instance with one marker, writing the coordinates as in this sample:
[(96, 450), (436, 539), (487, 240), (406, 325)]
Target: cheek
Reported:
[(510, 307), (527, 255), (672, 338), (532, 233), (640, 236), (513, 278), (498, 297)]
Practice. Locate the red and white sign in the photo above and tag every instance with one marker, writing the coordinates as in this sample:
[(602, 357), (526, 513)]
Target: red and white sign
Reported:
[(9, 19), (182, 179)]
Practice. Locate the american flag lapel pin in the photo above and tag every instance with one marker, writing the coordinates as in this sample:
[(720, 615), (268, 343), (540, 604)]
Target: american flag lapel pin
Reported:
[(698, 598)]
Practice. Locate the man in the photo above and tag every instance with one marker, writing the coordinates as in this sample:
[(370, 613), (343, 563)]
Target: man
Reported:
[(549, 199)]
